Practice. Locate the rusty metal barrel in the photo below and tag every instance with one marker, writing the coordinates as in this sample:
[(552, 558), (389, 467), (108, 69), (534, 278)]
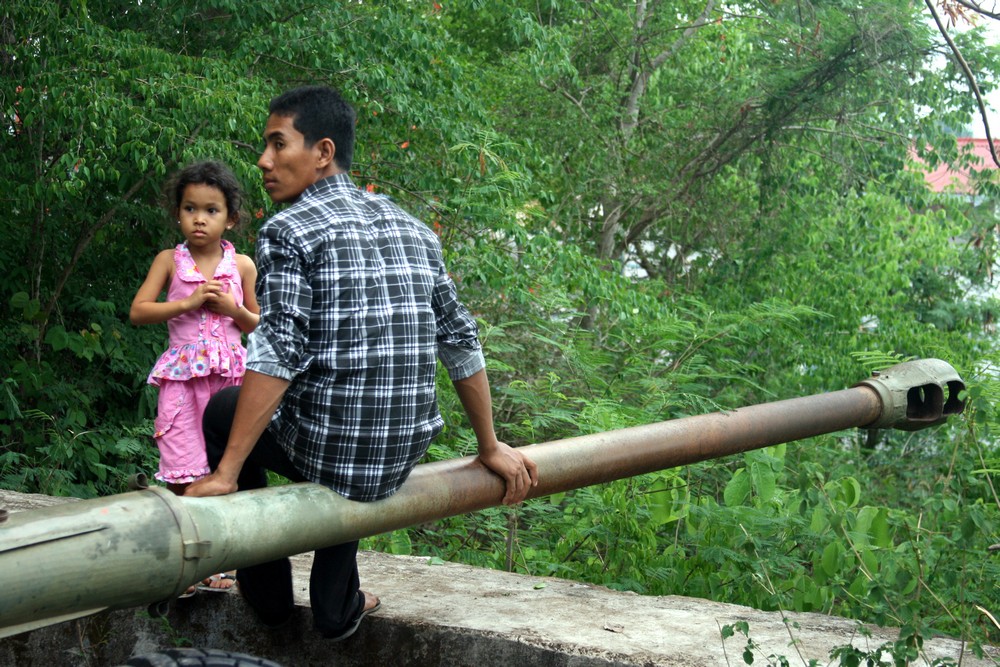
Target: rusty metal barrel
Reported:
[(146, 547)]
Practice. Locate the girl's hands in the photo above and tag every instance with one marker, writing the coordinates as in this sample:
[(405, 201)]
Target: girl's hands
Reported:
[(222, 301), (215, 297), (206, 293)]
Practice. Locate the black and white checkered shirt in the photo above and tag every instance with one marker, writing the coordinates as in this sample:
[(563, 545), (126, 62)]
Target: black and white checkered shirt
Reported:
[(356, 305)]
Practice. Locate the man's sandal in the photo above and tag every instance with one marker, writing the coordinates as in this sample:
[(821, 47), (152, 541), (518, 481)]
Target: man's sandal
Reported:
[(357, 621)]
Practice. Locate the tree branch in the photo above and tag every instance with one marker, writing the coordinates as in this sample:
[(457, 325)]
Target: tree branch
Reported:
[(976, 7), (87, 235), (641, 74), (968, 75)]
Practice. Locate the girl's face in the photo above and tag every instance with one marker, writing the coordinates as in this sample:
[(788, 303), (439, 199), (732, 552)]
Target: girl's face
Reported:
[(203, 215)]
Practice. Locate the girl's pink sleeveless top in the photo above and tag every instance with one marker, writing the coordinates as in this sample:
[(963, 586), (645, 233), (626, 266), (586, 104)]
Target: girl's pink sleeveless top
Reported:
[(202, 342)]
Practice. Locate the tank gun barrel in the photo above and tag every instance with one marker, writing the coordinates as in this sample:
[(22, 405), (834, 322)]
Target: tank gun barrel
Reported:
[(146, 547)]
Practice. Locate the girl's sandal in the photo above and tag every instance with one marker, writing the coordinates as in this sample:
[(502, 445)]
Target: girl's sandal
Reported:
[(207, 586)]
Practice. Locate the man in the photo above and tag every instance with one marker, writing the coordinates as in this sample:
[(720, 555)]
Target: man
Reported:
[(356, 307)]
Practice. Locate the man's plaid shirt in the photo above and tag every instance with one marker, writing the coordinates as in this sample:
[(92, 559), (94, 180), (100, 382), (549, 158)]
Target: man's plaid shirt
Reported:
[(356, 305)]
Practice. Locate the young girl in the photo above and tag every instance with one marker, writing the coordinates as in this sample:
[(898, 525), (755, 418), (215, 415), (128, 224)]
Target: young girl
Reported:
[(210, 303)]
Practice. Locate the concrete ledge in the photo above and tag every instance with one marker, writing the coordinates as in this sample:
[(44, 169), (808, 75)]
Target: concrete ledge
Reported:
[(458, 615)]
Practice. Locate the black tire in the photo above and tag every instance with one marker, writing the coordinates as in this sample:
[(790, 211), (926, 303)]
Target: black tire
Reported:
[(197, 657)]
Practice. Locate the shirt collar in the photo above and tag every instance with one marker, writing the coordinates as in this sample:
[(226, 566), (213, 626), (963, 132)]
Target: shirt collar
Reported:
[(341, 181)]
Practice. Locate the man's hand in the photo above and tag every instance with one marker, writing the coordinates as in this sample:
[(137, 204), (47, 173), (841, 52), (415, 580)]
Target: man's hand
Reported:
[(213, 485), (518, 470)]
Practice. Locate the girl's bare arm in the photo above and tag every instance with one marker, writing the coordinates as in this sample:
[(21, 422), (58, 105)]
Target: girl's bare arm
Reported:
[(248, 316)]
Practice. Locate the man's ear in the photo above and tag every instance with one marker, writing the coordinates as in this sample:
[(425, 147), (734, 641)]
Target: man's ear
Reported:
[(326, 151)]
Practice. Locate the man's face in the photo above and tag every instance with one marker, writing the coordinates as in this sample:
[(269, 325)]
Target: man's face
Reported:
[(289, 167)]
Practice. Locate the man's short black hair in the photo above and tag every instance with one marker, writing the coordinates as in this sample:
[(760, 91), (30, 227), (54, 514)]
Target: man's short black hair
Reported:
[(319, 112)]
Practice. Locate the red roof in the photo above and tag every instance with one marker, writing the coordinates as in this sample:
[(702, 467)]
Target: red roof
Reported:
[(945, 179)]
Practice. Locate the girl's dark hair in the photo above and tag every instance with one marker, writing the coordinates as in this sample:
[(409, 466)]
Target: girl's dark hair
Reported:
[(206, 172)]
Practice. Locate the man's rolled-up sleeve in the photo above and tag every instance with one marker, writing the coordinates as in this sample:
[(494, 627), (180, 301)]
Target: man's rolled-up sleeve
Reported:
[(461, 362), (278, 346), (457, 332)]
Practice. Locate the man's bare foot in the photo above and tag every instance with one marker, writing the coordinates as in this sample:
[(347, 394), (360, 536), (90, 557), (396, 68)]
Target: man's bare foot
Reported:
[(371, 603)]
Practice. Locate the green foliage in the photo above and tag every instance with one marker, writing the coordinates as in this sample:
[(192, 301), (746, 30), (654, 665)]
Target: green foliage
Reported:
[(898, 653), (61, 459)]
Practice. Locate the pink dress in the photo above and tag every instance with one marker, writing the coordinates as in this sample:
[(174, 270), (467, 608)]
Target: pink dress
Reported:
[(206, 354)]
